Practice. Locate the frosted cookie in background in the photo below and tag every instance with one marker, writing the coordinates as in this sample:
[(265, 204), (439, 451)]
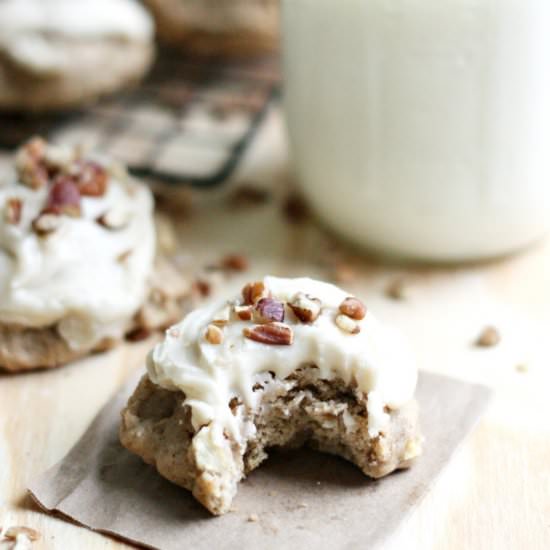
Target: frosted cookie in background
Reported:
[(213, 27), (289, 362), (77, 259), (57, 54)]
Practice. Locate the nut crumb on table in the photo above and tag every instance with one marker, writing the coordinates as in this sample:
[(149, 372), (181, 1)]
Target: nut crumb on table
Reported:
[(488, 338)]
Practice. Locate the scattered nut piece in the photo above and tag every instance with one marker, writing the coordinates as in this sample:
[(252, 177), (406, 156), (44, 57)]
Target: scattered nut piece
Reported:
[(222, 317), (275, 334), (204, 288), (295, 208), (63, 198), (305, 307), (114, 219), (235, 262), (252, 292), (244, 313), (488, 338), (46, 224), (213, 334), (354, 308), (252, 518), (13, 532), (13, 211), (397, 289), (138, 334), (249, 195), (347, 324), (268, 310)]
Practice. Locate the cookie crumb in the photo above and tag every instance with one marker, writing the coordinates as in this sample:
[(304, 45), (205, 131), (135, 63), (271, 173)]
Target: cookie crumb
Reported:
[(295, 208), (397, 289), (252, 518), (488, 338), (235, 262), (249, 195)]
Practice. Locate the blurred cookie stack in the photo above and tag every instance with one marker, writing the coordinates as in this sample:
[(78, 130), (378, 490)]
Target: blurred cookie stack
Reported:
[(218, 27), (59, 54)]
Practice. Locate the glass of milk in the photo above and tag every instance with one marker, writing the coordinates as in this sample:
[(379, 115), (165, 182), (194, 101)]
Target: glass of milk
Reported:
[(421, 128)]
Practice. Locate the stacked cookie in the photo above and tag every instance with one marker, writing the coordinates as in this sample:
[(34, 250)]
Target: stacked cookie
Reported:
[(56, 54)]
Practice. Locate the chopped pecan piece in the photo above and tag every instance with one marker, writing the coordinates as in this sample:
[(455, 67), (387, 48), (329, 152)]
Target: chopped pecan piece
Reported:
[(214, 335), (204, 288), (46, 224), (114, 220), (488, 338), (268, 310), (90, 177), (306, 308), (63, 198), (347, 324), (354, 308), (275, 334), (252, 292), (138, 334), (13, 211), (244, 313), (235, 262), (29, 163)]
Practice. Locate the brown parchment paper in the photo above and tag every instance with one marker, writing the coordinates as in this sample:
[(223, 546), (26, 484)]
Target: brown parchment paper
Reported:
[(295, 500)]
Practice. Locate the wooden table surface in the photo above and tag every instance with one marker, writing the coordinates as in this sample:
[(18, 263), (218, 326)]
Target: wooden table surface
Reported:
[(495, 494)]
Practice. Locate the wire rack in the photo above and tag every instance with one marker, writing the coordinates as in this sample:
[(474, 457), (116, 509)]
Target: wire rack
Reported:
[(189, 122)]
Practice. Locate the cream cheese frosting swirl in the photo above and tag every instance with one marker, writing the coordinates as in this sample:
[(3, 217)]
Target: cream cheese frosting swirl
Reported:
[(86, 277), (363, 353)]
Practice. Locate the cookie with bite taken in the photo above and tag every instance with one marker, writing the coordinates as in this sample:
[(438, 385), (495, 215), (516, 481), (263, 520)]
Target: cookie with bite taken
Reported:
[(290, 362)]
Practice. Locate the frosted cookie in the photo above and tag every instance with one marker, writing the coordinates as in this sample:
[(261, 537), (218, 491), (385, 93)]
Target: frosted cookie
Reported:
[(62, 53), (238, 27), (290, 362), (77, 252)]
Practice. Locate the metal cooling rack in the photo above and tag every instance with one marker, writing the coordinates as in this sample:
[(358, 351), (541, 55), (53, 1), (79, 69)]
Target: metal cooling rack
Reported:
[(189, 122)]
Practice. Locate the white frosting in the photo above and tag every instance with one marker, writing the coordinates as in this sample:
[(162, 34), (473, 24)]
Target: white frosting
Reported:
[(73, 275), (28, 26), (377, 359)]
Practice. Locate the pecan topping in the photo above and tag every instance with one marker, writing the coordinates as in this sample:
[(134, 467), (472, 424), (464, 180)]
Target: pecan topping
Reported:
[(29, 163), (235, 262), (12, 213), (268, 310), (252, 292), (275, 334), (63, 198), (354, 308), (90, 177), (244, 313), (347, 324), (113, 220), (204, 288), (214, 335), (46, 224), (306, 308)]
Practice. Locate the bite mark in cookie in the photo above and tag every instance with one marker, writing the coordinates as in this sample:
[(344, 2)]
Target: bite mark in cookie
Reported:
[(329, 376)]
